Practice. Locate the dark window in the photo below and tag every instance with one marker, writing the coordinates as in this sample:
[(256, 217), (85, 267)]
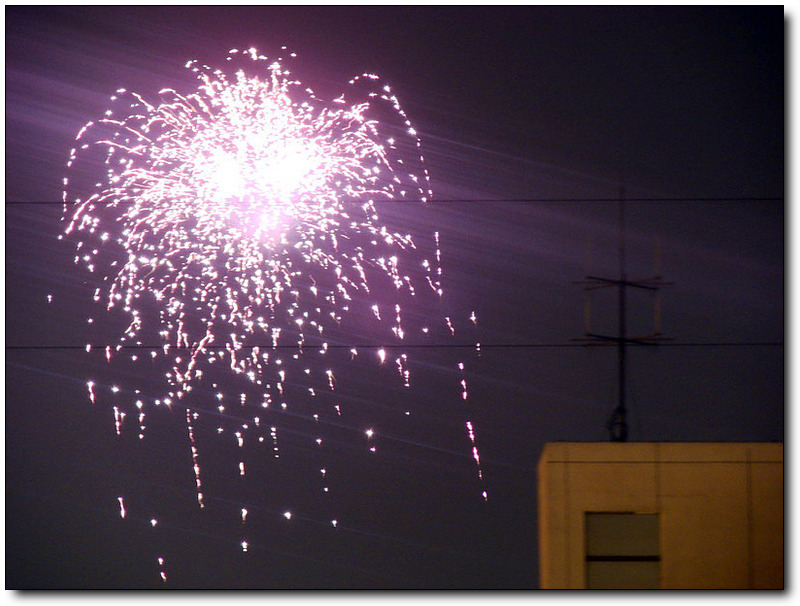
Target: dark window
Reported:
[(622, 551)]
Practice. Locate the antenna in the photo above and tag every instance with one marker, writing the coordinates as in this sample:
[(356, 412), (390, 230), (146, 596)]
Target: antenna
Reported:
[(617, 424)]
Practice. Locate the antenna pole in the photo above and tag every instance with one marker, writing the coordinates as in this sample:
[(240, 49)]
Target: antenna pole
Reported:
[(618, 425)]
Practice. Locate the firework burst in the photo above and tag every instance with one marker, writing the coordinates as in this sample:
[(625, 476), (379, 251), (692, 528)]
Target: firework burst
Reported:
[(234, 204), (240, 222)]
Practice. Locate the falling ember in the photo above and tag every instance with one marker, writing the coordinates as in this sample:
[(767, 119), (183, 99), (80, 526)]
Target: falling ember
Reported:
[(122, 511), (477, 458), (195, 459), (403, 370), (273, 432), (476, 455), (470, 432), (139, 405), (118, 418), (463, 382)]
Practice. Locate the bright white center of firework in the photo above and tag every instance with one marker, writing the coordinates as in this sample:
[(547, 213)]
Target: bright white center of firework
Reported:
[(260, 174), (264, 187), (288, 171), (225, 177)]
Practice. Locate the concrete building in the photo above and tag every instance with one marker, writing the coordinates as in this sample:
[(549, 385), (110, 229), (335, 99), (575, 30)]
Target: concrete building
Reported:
[(661, 515)]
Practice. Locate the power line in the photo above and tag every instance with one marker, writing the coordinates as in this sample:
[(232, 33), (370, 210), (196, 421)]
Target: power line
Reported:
[(476, 346), (535, 200)]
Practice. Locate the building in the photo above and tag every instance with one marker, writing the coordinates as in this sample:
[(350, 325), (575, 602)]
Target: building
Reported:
[(661, 515)]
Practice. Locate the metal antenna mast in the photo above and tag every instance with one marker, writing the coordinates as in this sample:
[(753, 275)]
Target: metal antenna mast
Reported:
[(618, 424)]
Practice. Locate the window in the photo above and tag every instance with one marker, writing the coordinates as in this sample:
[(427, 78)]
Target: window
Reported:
[(622, 551)]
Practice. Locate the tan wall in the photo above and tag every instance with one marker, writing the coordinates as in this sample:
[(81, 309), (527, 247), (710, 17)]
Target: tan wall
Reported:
[(720, 509)]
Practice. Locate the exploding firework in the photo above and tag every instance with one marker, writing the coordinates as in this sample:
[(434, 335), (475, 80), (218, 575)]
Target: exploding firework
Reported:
[(237, 227)]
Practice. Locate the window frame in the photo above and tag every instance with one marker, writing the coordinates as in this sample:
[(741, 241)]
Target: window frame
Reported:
[(633, 558)]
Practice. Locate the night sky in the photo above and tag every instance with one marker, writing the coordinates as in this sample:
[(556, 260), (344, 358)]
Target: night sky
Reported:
[(532, 120)]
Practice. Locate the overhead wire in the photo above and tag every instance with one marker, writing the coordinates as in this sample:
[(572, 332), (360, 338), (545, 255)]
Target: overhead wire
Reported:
[(520, 200), (478, 346)]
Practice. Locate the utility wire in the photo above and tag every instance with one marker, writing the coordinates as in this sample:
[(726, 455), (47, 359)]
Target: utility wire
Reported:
[(505, 200), (476, 346)]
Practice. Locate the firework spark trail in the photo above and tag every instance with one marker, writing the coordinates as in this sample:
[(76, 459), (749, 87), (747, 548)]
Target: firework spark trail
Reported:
[(243, 218), (195, 459), (162, 573)]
